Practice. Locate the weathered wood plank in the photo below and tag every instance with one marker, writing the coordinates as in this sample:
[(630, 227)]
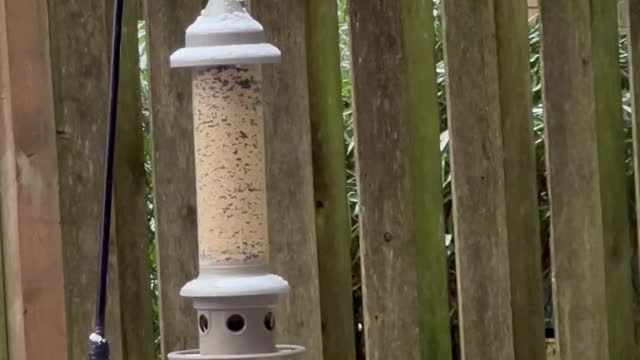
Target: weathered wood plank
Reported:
[(80, 53), (634, 74), (79, 64), (4, 112), (4, 345), (4, 85), (633, 42), (173, 170), (290, 174), (333, 230), (397, 126), (623, 16), (29, 183), (130, 215), (590, 237), (521, 193), (494, 181)]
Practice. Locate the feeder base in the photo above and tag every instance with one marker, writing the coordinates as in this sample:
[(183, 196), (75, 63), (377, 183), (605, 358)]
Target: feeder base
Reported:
[(282, 352)]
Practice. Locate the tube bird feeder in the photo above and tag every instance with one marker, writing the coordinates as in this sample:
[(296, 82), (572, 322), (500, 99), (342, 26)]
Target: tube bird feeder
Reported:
[(235, 293)]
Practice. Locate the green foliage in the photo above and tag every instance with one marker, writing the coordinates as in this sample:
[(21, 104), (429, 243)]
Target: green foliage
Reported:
[(146, 128)]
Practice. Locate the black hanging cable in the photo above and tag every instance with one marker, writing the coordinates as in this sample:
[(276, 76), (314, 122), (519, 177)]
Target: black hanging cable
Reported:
[(98, 346)]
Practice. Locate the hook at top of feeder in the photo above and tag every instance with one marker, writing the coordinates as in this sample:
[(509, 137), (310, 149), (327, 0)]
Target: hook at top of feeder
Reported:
[(225, 34)]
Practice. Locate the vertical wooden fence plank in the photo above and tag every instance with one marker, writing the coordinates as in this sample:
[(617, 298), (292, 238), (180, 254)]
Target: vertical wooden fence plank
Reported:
[(79, 46), (4, 345), (80, 53), (333, 229), (173, 170), (130, 217), (521, 192), (290, 174), (29, 183), (397, 127), (494, 181), (623, 16), (590, 231), (633, 43), (4, 112)]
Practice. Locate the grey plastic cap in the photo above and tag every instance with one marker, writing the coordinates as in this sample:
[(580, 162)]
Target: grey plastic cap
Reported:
[(225, 34)]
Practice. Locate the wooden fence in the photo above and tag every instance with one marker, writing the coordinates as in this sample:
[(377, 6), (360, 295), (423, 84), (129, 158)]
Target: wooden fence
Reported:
[(53, 74)]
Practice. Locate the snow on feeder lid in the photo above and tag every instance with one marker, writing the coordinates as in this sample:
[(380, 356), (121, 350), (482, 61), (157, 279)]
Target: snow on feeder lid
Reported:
[(225, 34)]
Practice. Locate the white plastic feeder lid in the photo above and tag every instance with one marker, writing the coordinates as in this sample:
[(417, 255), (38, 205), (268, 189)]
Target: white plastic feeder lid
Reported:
[(225, 34), (234, 281)]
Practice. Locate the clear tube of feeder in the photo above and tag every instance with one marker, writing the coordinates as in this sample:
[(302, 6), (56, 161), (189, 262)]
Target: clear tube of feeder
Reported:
[(230, 165)]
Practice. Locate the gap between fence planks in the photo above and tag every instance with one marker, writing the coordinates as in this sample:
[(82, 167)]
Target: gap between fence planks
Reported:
[(80, 52), (28, 183), (494, 180), (289, 169), (397, 126), (333, 230), (173, 170), (590, 230)]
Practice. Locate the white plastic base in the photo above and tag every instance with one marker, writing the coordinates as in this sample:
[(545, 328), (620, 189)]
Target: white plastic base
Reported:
[(283, 352)]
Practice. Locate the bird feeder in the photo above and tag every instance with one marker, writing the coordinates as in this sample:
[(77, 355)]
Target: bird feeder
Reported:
[(234, 294)]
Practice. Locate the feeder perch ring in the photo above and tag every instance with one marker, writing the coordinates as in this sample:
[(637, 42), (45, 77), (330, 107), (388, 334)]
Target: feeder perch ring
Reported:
[(282, 351)]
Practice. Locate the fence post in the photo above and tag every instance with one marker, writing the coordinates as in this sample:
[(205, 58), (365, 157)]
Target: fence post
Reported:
[(290, 174), (399, 177), (28, 184), (173, 169), (333, 229), (590, 241), (494, 180)]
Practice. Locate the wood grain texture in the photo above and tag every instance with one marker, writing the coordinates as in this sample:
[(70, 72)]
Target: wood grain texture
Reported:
[(29, 182), (5, 106), (4, 345), (290, 198), (80, 53), (130, 215), (397, 126), (4, 112), (634, 74), (591, 246), (80, 71), (633, 43), (521, 193), (333, 229), (494, 180), (173, 170)]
